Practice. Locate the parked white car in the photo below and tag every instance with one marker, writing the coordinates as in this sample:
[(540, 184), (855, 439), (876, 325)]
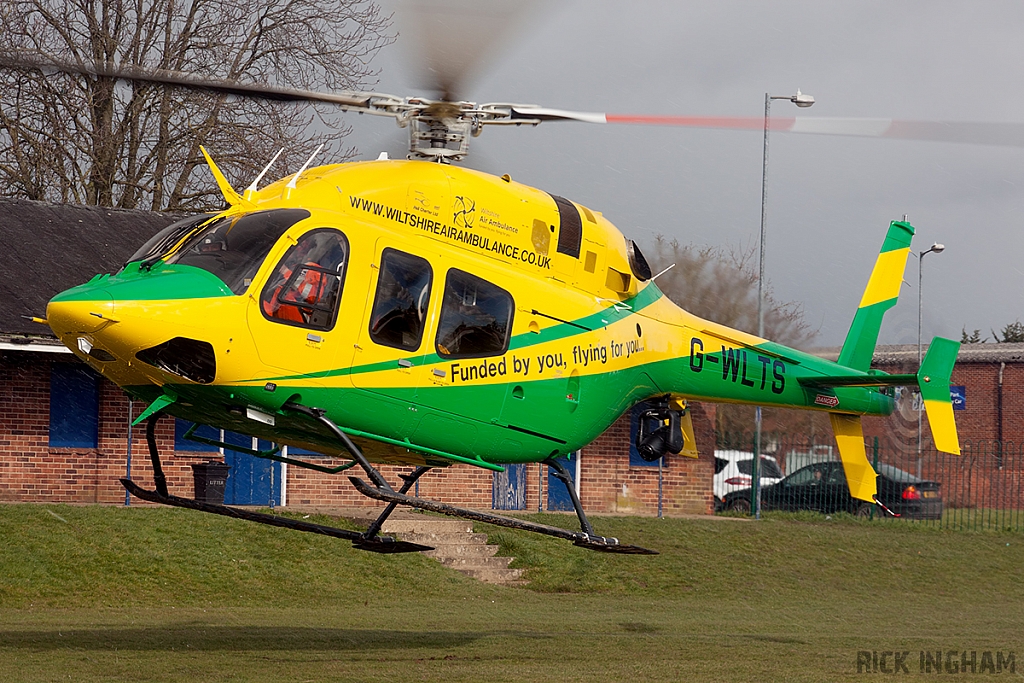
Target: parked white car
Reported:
[(734, 470)]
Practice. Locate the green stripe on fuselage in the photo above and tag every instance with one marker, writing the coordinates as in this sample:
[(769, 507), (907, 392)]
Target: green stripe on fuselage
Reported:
[(647, 296)]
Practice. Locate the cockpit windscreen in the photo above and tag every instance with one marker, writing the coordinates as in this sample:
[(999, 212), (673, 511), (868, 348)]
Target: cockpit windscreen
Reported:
[(234, 247)]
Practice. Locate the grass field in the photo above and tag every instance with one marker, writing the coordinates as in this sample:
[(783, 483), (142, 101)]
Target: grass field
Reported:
[(147, 594)]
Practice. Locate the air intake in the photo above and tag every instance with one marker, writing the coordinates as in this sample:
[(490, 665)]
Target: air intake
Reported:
[(189, 358)]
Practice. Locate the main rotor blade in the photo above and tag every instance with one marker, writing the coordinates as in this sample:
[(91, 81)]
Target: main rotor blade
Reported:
[(356, 100), (964, 132)]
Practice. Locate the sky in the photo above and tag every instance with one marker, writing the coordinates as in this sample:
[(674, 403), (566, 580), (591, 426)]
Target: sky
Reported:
[(830, 199)]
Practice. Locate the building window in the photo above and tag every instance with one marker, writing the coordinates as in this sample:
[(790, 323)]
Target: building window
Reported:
[(476, 318), (74, 406)]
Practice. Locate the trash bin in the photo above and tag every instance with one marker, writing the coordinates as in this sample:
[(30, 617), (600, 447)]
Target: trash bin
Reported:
[(210, 479)]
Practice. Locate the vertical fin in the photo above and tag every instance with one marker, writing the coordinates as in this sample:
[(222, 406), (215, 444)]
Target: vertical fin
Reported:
[(933, 378), (860, 476), (879, 296)]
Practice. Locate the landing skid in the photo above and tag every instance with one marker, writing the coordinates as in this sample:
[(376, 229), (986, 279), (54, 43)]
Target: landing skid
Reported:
[(375, 544), (579, 538), (368, 540), (381, 490)]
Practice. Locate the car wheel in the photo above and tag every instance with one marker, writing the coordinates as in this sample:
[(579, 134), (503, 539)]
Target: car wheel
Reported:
[(740, 505), (864, 510)]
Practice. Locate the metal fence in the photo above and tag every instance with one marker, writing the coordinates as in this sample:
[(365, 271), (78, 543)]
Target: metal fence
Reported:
[(982, 489)]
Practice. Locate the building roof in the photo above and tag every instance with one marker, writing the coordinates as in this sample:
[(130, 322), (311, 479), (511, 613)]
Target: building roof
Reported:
[(902, 354), (47, 248)]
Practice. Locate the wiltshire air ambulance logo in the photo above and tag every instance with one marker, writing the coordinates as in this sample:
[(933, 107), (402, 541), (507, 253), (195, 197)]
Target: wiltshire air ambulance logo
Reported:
[(464, 212)]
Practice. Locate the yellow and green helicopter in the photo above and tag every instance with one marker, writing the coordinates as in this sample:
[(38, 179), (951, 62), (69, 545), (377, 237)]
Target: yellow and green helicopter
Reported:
[(417, 313)]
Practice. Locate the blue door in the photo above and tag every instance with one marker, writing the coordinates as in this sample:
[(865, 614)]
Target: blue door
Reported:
[(558, 495), (508, 488), (251, 480)]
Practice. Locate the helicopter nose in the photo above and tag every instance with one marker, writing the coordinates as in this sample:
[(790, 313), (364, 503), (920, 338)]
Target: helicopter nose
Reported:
[(71, 316)]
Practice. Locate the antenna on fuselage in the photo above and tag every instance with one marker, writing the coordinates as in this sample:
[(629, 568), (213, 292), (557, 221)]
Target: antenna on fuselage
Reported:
[(663, 272), (255, 183), (295, 178)]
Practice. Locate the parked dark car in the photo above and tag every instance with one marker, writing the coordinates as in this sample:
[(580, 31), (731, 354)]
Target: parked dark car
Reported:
[(822, 487)]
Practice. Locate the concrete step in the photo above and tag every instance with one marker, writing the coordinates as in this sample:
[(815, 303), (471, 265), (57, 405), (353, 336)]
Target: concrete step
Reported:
[(507, 577), (471, 550), (438, 540), (457, 547), (461, 563), (428, 525)]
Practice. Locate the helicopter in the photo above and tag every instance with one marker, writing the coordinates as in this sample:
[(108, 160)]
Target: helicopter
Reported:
[(417, 313)]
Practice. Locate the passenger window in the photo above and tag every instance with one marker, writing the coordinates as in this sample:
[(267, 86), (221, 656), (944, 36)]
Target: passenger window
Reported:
[(400, 305), (306, 286), (476, 317)]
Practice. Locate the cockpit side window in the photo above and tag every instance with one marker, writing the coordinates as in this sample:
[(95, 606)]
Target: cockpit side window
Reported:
[(400, 304), (305, 288), (234, 247), (476, 317)]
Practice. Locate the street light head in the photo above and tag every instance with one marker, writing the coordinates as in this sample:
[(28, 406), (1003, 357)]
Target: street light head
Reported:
[(937, 248), (802, 100)]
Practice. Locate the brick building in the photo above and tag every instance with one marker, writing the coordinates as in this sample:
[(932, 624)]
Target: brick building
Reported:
[(988, 385), (41, 461), (988, 388), (64, 432)]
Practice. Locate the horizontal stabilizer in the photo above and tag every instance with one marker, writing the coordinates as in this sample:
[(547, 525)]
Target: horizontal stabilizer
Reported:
[(865, 380), (933, 378), (860, 476)]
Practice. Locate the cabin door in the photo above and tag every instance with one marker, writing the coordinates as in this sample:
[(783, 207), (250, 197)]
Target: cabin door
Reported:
[(388, 358), (292, 318)]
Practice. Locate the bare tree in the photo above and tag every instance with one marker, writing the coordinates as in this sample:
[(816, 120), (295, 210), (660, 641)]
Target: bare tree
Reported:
[(720, 284), (96, 140)]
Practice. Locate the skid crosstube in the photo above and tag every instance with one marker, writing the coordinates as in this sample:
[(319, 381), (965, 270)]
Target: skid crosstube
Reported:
[(579, 538), (375, 544)]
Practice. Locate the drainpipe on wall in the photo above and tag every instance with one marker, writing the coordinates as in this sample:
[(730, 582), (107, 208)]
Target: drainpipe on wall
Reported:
[(128, 461), (540, 487), (999, 419)]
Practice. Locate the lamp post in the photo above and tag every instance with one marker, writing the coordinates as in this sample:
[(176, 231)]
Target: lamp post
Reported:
[(937, 249), (801, 100)]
